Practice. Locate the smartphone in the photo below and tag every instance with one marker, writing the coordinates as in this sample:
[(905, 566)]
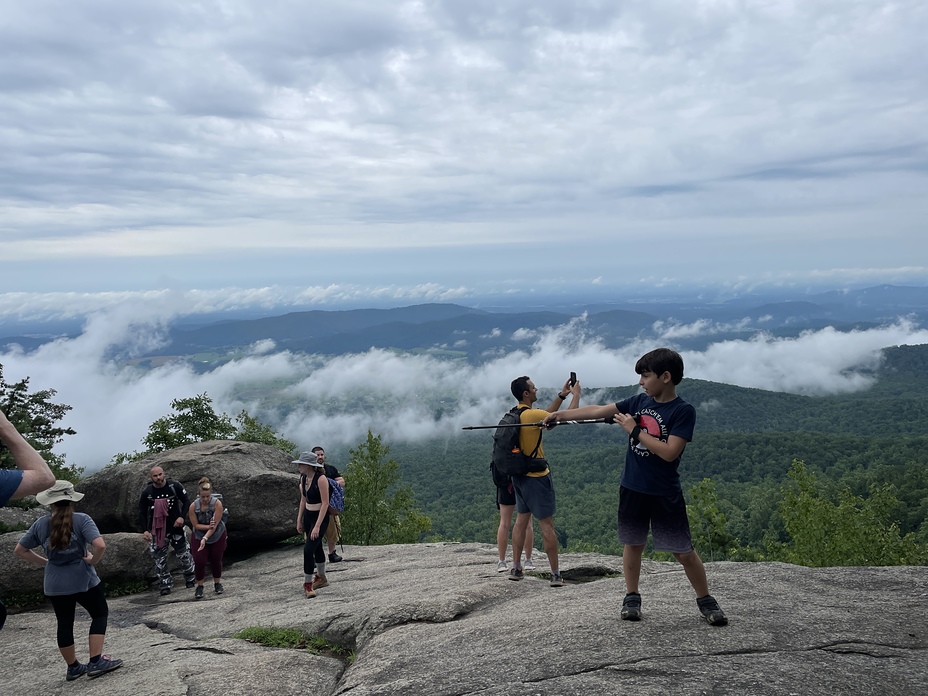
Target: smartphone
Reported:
[(573, 378)]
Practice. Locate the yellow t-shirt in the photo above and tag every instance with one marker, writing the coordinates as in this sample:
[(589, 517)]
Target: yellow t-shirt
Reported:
[(529, 437)]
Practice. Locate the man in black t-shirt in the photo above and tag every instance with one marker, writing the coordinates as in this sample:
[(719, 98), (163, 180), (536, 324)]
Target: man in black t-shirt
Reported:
[(163, 508), (333, 533)]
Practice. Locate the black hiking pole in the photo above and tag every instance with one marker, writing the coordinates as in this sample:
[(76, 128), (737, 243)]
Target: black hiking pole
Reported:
[(539, 424)]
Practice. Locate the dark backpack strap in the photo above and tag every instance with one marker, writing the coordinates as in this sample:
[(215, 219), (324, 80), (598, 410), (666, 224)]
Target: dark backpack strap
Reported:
[(540, 433)]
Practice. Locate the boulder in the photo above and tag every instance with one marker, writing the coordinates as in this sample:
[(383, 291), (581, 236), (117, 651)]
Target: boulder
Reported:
[(258, 484), (126, 560)]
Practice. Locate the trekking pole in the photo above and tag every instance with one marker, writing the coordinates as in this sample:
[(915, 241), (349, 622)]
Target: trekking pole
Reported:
[(539, 424)]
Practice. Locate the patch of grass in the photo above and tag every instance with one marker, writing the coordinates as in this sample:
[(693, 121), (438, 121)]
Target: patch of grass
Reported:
[(121, 589), (277, 637), (6, 528), (273, 637), (24, 600)]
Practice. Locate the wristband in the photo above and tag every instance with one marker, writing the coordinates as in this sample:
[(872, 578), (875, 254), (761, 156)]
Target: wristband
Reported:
[(562, 397), (636, 433)]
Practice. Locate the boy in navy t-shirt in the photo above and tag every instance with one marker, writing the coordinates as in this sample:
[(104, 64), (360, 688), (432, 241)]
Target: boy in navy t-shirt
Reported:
[(659, 424)]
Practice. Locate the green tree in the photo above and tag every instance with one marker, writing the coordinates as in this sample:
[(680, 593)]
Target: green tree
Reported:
[(194, 420), (708, 524), (854, 531), (377, 509), (250, 429), (35, 417)]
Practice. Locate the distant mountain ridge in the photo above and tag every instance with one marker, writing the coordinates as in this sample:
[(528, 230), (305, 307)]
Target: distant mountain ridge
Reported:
[(473, 334)]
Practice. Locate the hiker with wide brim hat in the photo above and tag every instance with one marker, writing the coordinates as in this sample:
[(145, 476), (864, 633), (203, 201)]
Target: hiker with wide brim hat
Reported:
[(70, 575), (312, 519)]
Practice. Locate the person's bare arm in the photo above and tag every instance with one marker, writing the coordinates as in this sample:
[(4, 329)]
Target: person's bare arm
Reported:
[(37, 476)]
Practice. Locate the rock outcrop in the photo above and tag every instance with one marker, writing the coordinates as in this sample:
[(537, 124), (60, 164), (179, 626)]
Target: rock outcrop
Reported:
[(438, 619), (258, 484)]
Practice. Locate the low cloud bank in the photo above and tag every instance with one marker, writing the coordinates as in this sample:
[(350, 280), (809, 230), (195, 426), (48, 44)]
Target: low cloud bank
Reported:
[(334, 400)]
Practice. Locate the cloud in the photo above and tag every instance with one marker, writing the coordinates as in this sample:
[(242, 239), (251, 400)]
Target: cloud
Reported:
[(404, 397)]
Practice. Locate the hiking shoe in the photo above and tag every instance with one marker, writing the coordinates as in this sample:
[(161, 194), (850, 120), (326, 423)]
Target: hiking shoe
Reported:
[(557, 580), (75, 671), (191, 583), (199, 593), (631, 607), (165, 591), (516, 573), (320, 581), (501, 567), (527, 564), (711, 611), (308, 590), (102, 666), (217, 587), (334, 557)]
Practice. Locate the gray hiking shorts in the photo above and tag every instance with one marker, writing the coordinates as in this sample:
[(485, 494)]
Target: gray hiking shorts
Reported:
[(534, 494)]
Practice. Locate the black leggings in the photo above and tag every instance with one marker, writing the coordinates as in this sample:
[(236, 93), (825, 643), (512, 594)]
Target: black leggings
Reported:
[(93, 600), (313, 550)]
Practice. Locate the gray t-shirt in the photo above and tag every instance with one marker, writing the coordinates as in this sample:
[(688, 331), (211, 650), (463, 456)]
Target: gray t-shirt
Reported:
[(66, 572)]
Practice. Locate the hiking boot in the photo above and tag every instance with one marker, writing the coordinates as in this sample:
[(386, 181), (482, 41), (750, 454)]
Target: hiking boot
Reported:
[(557, 580), (191, 583), (75, 671), (516, 574), (166, 590), (711, 611), (501, 567), (308, 590), (528, 565), (631, 607), (320, 581), (217, 587), (199, 593), (102, 666), (334, 557)]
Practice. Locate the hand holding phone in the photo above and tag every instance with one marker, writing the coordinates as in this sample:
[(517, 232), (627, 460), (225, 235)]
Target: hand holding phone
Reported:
[(573, 378)]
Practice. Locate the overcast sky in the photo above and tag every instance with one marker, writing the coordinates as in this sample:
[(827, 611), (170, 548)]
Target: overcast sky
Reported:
[(433, 150)]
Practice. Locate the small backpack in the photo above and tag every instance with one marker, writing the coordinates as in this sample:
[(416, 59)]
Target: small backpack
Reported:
[(508, 457), (336, 493), (212, 503)]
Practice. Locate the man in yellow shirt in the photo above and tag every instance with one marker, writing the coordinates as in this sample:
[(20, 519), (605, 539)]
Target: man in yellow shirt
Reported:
[(535, 490)]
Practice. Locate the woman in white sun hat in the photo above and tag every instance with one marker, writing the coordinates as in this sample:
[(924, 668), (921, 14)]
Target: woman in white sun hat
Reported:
[(70, 577)]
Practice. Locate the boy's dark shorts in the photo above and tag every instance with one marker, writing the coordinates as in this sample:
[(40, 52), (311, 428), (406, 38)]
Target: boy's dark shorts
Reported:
[(534, 494), (505, 496), (664, 514)]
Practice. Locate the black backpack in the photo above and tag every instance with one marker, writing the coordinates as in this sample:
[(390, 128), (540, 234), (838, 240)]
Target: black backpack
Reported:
[(508, 458)]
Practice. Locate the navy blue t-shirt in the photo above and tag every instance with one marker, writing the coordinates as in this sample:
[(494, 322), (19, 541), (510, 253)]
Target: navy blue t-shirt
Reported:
[(645, 472)]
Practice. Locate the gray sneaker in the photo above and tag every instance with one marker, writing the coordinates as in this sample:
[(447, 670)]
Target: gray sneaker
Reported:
[(557, 580), (501, 567), (102, 666), (528, 565), (631, 607)]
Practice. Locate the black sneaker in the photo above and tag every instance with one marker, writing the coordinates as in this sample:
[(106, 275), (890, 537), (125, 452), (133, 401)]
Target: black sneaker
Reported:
[(516, 574), (711, 611), (199, 593), (166, 590), (191, 583), (334, 557), (217, 588), (631, 607)]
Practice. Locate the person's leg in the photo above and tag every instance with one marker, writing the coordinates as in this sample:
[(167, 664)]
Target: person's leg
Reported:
[(321, 547), (631, 566), (216, 552), (506, 516), (331, 536), (184, 557), (549, 539), (695, 571), (64, 606), (523, 520), (94, 601), (160, 556)]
